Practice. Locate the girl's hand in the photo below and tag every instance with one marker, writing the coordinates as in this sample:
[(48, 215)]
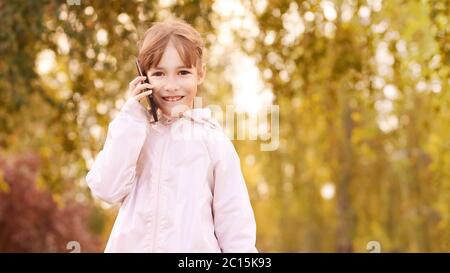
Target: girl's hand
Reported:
[(139, 90)]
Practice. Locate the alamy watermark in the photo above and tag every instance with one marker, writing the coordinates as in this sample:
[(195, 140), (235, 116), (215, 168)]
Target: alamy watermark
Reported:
[(74, 246), (263, 125), (73, 2), (373, 247)]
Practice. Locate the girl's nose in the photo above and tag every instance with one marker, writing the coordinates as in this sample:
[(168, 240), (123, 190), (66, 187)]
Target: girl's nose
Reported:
[(171, 84)]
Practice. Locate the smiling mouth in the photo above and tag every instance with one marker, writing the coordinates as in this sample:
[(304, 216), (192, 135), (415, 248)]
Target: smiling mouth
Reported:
[(172, 98)]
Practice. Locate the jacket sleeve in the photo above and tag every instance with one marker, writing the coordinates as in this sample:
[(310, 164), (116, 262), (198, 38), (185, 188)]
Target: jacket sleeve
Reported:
[(113, 173), (234, 221)]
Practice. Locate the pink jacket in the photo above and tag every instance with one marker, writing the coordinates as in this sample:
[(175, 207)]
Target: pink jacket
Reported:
[(179, 183)]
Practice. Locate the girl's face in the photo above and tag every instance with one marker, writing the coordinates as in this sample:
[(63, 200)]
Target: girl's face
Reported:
[(175, 85)]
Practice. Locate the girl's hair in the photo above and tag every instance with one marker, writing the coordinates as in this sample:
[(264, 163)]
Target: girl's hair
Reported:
[(187, 41)]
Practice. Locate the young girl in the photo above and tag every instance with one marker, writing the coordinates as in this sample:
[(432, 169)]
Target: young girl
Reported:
[(180, 189)]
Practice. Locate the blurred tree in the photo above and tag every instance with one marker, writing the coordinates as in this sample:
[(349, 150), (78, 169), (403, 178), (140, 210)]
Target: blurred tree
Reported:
[(362, 88), (31, 220)]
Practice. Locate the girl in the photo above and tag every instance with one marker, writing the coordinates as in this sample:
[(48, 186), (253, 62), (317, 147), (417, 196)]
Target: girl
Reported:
[(178, 180)]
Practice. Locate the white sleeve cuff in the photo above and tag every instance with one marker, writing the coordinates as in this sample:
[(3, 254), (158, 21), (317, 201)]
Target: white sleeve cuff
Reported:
[(135, 109)]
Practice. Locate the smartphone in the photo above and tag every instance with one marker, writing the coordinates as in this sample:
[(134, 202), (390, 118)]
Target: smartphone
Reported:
[(150, 99)]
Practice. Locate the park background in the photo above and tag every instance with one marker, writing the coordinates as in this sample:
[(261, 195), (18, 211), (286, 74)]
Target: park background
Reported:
[(362, 88)]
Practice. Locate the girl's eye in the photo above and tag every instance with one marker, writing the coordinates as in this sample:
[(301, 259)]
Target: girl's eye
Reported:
[(185, 72), (157, 74)]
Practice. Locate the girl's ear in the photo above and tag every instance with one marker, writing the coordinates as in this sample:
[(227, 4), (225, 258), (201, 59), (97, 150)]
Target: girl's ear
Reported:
[(201, 73)]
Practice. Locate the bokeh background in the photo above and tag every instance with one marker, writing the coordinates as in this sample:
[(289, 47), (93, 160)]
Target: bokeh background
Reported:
[(363, 91)]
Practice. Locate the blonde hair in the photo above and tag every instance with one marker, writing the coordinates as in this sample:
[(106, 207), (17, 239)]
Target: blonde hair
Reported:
[(187, 41)]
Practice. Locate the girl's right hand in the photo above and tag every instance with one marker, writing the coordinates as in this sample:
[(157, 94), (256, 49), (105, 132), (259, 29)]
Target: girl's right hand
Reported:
[(139, 90)]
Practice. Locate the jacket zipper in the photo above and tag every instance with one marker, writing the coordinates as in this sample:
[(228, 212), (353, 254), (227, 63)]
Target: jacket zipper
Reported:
[(157, 194)]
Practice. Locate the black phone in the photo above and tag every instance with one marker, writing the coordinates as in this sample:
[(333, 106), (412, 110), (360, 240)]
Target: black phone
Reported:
[(151, 100)]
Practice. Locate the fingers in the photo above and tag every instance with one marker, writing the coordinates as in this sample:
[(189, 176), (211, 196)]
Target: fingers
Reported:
[(135, 81), (143, 94), (138, 90), (141, 87), (132, 85)]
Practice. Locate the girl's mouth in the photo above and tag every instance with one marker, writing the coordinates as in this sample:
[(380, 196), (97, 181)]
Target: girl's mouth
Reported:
[(172, 98)]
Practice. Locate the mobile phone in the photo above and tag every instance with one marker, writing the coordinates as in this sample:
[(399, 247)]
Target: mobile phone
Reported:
[(150, 99)]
